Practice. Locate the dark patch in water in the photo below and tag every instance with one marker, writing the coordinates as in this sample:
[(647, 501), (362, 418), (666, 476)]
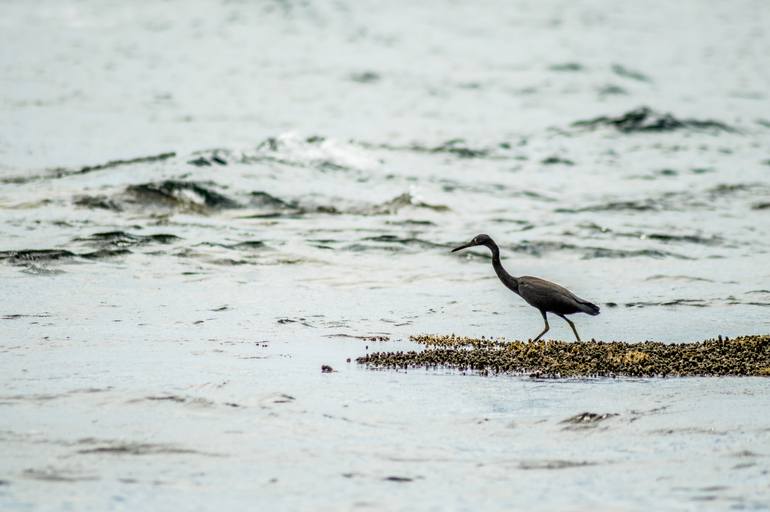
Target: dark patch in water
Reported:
[(553, 464), (688, 431), (187, 400), (640, 205), (32, 255), (660, 237), (456, 147), (729, 189), (746, 453), (203, 161), (405, 200), (117, 163), (365, 77), (29, 258), (104, 253), (732, 301), (407, 241), (693, 239), (301, 320), (644, 119), (277, 398), (172, 398), (539, 248), (552, 160), (400, 479), (132, 448), (291, 209), (697, 303), (98, 202), (364, 338), (180, 194), (708, 199), (123, 239), (586, 420), (410, 222), (55, 475), (611, 90), (248, 245), (61, 172), (567, 66), (261, 199), (277, 207), (630, 73), (17, 316)]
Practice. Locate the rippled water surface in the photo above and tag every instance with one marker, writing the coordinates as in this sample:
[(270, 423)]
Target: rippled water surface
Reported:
[(204, 202)]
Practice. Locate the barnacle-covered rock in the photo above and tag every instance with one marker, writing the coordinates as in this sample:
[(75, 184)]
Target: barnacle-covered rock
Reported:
[(745, 355)]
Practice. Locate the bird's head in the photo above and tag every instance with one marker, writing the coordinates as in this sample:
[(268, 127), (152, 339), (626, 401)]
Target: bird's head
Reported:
[(477, 240)]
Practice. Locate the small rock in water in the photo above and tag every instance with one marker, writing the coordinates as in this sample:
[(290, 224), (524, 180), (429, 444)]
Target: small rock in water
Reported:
[(586, 420), (398, 479), (325, 368)]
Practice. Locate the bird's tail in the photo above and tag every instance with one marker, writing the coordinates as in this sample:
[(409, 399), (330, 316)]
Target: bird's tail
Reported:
[(589, 307)]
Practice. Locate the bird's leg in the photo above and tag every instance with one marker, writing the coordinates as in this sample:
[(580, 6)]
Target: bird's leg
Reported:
[(573, 327), (546, 326)]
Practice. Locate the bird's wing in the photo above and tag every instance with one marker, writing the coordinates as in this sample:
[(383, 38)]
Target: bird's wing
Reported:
[(550, 296)]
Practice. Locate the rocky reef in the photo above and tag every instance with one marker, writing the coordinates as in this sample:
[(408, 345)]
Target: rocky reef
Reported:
[(741, 356)]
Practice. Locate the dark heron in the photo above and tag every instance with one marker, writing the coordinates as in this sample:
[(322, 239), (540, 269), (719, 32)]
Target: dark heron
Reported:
[(544, 295)]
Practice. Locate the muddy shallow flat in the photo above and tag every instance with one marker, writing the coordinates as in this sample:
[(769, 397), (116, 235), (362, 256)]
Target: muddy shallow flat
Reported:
[(190, 233)]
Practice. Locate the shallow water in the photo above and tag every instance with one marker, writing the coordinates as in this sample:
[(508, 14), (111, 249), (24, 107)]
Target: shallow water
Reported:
[(203, 203)]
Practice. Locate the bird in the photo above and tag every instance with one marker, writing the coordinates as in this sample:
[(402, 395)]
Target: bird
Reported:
[(543, 295)]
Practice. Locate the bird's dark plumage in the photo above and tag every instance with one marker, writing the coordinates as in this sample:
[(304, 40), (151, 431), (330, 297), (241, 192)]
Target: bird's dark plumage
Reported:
[(544, 295)]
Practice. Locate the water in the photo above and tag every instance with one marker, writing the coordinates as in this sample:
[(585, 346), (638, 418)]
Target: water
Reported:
[(203, 203)]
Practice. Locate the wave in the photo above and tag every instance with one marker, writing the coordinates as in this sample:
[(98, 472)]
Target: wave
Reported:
[(32, 258), (181, 195), (539, 248), (405, 200), (455, 147), (705, 199), (124, 239), (665, 238), (61, 172), (205, 198), (320, 153), (645, 119)]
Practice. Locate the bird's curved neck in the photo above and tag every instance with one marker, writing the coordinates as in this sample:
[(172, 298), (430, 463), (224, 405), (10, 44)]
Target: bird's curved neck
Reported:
[(507, 279)]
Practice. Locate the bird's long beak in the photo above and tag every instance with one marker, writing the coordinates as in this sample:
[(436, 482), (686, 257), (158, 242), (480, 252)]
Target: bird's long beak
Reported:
[(469, 244)]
